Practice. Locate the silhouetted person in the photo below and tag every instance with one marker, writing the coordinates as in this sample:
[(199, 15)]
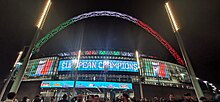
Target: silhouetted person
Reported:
[(188, 98), (203, 99), (118, 99), (146, 100), (73, 99), (155, 99), (217, 98), (162, 99), (52, 99), (125, 97), (37, 99), (64, 99), (11, 97), (133, 99), (79, 98), (25, 99), (96, 98), (90, 98), (42, 98), (172, 98)]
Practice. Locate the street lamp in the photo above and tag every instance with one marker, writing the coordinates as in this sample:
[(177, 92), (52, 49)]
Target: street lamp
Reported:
[(192, 75), (40, 24)]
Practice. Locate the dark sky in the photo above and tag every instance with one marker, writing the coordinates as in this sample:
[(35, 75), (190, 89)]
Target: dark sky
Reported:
[(199, 21)]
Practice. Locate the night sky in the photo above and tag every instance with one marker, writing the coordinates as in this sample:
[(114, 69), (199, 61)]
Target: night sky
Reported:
[(199, 21)]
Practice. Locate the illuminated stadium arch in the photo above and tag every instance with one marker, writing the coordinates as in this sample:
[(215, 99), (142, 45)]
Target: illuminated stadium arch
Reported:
[(112, 14)]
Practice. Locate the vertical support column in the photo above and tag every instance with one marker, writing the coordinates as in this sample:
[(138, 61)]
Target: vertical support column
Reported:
[(12, 72), (139, 74), (189, 67), (17, 81), (192, 74), (20, 74), (76, 71)]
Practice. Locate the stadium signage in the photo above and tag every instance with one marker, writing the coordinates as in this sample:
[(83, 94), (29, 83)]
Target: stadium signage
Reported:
[(110, 65), (85, 84)]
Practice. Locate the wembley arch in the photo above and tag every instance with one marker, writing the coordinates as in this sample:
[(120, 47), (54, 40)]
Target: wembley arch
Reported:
[(147, 28)]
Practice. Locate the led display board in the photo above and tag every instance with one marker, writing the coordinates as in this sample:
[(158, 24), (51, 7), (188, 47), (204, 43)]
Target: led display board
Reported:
[(85, 84), (156, 69), (99, 65), (40, 67)]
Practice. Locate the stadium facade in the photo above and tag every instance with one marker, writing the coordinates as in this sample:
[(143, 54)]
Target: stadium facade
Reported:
[(107, 73)]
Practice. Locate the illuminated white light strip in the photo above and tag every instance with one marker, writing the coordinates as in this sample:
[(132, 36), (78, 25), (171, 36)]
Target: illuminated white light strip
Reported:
[(46, 9), (137, 57), (104, 13), (171, 17), (205, 81), (19, 56), (78, 58)]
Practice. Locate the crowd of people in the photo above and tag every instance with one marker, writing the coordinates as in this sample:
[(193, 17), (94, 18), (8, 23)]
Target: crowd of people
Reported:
[(11, 97)]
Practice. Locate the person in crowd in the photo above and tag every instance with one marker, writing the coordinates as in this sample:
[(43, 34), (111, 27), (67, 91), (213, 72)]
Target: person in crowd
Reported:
[(133, 99), (79, 98), (25, 99), (107, 99), (155, 99), (217, 98), (172, 98), (37, 99), (73, 99), (52, 99), (146, 100), (203, 99), (11, 97), (90, 98), (188, 98), (64, 99), (162, 99), (118, 99), (96, 98), (125, 97), (42, 98), (142, 100)]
